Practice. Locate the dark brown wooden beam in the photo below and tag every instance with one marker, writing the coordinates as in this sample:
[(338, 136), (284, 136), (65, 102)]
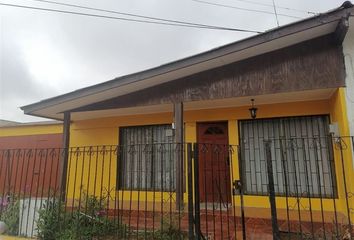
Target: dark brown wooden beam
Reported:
[(65, 156), (179, 140), (341, 30), (178, 120)]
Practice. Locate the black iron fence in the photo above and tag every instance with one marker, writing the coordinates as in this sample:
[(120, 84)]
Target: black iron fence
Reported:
[(124, 192), (295, 188), (308, 183)]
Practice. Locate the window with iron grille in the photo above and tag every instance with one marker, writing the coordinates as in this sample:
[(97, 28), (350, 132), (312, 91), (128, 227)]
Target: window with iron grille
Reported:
[(302, 156), (146, 158)]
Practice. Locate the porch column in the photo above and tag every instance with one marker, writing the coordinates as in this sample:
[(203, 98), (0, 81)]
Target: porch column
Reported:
[(65, 154), (179, 139)]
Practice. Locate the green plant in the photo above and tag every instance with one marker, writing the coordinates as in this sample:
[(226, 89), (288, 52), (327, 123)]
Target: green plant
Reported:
[(87, 221), (51, 218), (10, 214), (168, 230)]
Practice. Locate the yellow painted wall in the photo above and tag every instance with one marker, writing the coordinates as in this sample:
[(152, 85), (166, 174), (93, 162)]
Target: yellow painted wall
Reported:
[(343, 150), (30, 130), (105, 132)]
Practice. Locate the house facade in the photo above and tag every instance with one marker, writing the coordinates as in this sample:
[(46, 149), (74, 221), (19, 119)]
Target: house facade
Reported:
[(133, 139)]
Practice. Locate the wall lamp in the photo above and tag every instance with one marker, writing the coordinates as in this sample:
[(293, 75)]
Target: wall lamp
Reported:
[(253, 110)]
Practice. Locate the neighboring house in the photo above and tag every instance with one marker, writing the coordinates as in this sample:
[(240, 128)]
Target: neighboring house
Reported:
[(29, 167), (17, 137), (4, 123), (301, 79), (45, 134)]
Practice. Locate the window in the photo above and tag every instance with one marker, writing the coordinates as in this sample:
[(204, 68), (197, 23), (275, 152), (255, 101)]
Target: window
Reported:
[(146, 159), (302, 156), (214, 131)]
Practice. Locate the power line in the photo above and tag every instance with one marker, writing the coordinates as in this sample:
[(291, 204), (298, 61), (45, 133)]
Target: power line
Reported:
[(244, 9), (161, 19), (275, 12), (120, 13), (277, 6), (182, 24)]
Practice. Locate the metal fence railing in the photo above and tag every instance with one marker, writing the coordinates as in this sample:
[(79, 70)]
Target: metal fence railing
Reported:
[(123, 192), (288, 188)]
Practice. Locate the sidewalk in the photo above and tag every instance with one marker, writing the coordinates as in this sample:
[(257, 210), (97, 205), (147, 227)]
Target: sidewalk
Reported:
[(2, 237)]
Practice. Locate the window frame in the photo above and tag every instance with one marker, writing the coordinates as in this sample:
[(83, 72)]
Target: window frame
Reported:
[(332, 171), (119, 184)]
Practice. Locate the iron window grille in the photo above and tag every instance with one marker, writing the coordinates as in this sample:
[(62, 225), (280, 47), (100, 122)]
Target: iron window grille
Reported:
[(146, 158), (302, 156)]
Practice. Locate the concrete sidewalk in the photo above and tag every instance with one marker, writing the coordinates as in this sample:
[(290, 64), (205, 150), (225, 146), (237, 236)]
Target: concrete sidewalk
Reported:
[(2, 237)]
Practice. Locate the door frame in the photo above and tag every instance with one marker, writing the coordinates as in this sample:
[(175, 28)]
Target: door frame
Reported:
[(201, 174)]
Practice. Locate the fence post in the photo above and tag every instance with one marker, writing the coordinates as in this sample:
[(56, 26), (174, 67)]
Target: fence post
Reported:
[(64, 161), (190, 192), (244, 237), (196, 191), (178, 120), (342, 145), (8, 172), (273, 207)]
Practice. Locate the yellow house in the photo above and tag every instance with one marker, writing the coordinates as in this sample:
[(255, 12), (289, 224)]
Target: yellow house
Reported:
[(201, 137)]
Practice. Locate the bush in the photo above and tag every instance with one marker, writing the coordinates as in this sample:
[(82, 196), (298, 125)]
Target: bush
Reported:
[(10, 214), (51, 217), (88, 221)]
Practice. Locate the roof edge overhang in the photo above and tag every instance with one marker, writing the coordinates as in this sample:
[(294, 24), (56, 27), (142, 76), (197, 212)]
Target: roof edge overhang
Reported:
[(12, 124), (53, 107)]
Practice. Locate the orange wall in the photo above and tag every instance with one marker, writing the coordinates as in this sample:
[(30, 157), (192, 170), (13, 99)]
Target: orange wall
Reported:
[(31, 160)]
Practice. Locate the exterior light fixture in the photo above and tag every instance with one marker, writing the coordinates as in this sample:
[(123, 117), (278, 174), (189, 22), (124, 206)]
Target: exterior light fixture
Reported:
[(253, 110)]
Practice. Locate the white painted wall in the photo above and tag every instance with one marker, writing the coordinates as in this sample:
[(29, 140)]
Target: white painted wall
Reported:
[(29, 215), (348, 50)]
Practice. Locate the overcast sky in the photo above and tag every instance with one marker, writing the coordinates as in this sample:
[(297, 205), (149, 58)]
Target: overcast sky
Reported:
[(44, 54)]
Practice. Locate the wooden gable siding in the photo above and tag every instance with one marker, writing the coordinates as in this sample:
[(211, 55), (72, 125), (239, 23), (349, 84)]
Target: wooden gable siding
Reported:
[(314, 64)]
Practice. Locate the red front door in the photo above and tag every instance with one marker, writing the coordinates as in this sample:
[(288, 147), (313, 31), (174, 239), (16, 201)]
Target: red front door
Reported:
[(214, 169)]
